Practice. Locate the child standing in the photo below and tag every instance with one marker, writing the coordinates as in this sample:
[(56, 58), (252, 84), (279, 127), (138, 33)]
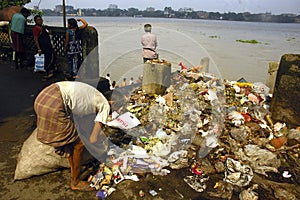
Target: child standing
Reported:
[(72, 45)]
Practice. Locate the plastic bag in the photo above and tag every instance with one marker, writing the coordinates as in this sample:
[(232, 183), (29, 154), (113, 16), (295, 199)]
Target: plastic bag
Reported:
[(124, 121), (237, 174), (260, 160), (39, 63)]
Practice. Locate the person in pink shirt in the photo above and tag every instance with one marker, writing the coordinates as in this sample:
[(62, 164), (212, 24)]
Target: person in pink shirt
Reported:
[(149, 42)]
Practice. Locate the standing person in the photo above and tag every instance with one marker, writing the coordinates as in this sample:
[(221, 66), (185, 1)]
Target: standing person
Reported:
[(149, 43), (113, 85), (72, 46), (43, 44), (17, 24), (108, 78), (131, 81), (139, 79), (55, 107), (123, 84)]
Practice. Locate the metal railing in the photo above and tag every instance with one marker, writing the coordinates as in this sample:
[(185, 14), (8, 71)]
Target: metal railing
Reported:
[(89, 41)]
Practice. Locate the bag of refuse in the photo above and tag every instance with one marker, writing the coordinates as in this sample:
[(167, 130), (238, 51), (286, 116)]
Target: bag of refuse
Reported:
[(36, 158)]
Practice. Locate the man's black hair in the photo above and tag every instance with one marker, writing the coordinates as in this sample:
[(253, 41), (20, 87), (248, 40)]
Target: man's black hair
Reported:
[(25, 11), (103, 86)]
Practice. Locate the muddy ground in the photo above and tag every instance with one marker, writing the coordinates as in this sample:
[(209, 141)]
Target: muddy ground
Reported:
[(17, 121)]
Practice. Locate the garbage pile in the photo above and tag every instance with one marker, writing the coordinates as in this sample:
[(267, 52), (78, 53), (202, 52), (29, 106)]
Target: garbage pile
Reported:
[(211, 126)]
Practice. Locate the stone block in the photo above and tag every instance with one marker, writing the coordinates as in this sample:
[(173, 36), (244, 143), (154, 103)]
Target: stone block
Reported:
[(285, 105), (156, 77)]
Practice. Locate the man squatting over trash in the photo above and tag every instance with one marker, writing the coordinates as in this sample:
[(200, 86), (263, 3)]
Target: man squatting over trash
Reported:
[(54, 106)]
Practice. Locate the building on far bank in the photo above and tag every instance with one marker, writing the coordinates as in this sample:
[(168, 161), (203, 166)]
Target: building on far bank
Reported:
[(150, 9), (79, 12), (59, 8), (112, 7), (186, 10)]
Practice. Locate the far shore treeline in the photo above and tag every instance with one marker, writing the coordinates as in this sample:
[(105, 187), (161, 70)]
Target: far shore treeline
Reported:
[(168, 12)]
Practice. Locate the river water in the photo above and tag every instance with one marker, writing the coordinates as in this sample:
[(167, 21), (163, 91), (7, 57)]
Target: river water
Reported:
[(188, 41)]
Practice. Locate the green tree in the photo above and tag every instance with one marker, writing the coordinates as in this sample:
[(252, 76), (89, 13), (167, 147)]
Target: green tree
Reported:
[(6, 3)]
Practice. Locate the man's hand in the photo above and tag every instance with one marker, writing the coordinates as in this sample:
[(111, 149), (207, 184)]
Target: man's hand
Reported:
[(96, 131)]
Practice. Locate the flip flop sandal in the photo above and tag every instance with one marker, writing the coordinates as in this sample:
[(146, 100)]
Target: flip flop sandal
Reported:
[(59, 152)]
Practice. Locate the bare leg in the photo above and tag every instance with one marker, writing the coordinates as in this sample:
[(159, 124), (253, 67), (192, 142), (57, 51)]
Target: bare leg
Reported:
[(75, 166)]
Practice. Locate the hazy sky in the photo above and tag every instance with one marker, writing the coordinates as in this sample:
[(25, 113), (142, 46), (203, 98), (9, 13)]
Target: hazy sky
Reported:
[(253, 6)]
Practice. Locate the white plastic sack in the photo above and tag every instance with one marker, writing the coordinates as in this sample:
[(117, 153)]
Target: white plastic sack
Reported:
[(125, 121), (39, 63), (36, 158)]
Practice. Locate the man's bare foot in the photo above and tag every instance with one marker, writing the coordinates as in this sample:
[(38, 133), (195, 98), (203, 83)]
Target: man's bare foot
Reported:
[(82, 186)]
